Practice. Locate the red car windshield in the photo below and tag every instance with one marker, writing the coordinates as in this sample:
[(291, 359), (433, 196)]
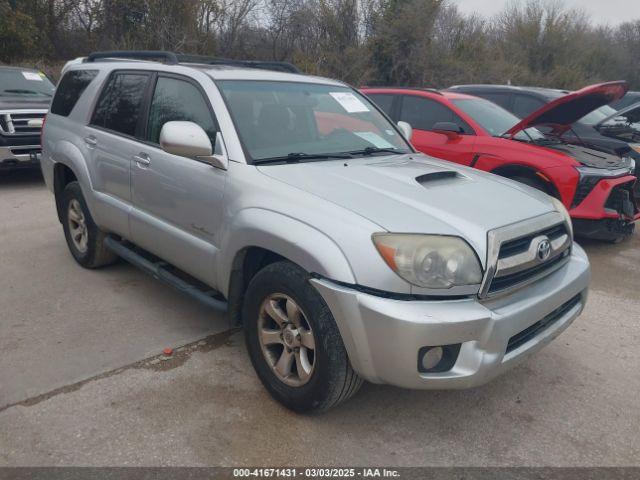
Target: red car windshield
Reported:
[(495, 119)]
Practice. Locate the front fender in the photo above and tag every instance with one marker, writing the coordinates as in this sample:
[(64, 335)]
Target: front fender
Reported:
[(292, 239)]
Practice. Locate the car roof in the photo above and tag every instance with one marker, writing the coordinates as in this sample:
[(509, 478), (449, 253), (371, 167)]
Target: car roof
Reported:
[(545, 92), (216, 72), (426, 92)]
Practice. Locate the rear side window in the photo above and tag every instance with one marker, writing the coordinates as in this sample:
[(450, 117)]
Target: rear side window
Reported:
[(177, 100), (119, 105), (69, 90), (524, 105), (422, 113), (502, 99), (384, 101)]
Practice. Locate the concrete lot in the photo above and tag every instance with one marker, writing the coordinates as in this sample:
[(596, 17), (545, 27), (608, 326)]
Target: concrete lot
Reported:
[(81, 382)]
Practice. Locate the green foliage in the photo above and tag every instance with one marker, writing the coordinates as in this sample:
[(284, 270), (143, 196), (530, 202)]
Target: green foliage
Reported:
[(17, 33)]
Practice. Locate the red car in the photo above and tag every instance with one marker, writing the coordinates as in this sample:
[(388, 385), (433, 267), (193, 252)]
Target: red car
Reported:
[(596, 187)]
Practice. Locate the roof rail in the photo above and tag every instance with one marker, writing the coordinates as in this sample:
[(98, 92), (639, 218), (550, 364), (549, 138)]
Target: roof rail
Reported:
[(177, 58), (261, 64), (168, 57)]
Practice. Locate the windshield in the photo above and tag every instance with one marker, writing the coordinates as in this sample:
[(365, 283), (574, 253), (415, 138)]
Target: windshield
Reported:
[(495, 119), (624, 126), (24, 83), (280, 119), (598, 115)]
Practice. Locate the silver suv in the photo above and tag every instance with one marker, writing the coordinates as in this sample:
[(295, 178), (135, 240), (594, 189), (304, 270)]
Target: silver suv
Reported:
[(294, 203)]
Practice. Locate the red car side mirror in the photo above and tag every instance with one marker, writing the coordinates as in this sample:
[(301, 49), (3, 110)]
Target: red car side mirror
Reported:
[(450, 129)]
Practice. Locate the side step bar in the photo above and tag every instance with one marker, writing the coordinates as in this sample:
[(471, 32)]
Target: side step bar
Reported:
[(159, 271)]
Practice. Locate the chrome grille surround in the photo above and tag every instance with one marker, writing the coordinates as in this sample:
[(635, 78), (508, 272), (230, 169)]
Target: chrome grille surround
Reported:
[(15, 123), (525, 266)]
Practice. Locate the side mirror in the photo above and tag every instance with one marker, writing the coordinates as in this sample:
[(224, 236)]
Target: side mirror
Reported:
[(406, 129), (450, 129), (187, 139)]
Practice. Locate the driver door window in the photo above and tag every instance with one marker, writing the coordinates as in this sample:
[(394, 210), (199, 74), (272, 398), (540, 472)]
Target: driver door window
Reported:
[(422, 114), (178, 100)]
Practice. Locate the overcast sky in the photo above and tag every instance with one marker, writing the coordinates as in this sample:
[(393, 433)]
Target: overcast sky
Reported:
[(610, 12)]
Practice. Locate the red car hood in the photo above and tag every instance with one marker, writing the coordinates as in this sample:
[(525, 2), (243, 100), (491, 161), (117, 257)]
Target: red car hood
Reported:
[(561, 113)]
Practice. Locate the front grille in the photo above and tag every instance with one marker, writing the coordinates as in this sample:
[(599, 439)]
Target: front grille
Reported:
[(519, 245), (508, 281), (21, 122), (528, 333), (519, 262)]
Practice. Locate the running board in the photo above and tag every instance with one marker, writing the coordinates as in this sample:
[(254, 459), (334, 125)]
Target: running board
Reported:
[(158, 270)]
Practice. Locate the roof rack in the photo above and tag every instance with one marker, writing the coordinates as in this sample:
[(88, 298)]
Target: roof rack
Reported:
[(172, 58), (169, 57), (261, 64)]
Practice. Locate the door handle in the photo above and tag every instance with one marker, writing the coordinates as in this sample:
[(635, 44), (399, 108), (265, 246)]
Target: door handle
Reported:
[(91, 141), (142, 159)]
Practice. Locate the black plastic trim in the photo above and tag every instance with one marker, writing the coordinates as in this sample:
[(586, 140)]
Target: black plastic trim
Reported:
[(392, 295)]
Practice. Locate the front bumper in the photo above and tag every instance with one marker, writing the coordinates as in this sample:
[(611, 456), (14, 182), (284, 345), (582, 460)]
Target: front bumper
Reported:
[(609, 212), (19, 156), (383, 336)]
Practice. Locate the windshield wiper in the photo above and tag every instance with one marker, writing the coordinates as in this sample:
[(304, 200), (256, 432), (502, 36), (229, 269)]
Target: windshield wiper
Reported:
[(297, 157), (25, 92), (372, 150)]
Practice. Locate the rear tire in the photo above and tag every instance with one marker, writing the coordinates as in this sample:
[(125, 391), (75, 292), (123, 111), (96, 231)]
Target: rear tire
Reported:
[(84, 239), (293, 341)]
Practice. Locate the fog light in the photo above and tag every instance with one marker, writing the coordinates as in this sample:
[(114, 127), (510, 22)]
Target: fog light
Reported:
[(438, 358), (432, 358)]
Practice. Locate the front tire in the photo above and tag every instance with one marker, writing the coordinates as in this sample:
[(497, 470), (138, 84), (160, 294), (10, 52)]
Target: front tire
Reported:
[(84, 239), (293, 341)]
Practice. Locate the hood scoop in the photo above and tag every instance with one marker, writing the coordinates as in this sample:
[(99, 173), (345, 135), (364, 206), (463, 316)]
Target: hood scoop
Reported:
[(439, 177)]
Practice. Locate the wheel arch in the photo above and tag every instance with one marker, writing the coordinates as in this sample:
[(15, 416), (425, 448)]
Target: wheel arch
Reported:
[(260, 237), (70, 165), (517, 170), (62, 176)]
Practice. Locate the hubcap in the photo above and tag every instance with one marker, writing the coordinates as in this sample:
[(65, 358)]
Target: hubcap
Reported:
[(286, 339), (77, 226)]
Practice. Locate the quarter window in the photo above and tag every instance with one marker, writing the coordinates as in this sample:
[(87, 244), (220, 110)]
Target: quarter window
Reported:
[(422, 113), (119, 106), (72, 85), (177, 100)]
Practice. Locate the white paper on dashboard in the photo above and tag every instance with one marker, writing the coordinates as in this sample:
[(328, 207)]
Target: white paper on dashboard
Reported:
[(32, 76), (349, 102)]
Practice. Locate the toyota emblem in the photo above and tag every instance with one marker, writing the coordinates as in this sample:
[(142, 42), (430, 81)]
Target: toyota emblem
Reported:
[(544, 249)]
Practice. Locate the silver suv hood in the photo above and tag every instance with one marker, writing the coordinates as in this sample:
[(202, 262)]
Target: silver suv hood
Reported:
[(418, 194)]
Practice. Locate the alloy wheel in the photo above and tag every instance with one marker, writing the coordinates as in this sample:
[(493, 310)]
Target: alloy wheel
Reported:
[(286, 339), (77, 226)]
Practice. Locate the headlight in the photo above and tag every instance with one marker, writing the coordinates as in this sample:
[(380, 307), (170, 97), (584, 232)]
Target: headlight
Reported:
[(635, 146), (429, 261), (628, 166), (565, 213)]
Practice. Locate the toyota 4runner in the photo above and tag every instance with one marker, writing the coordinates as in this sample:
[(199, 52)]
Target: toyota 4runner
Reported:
[(296, 205)]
